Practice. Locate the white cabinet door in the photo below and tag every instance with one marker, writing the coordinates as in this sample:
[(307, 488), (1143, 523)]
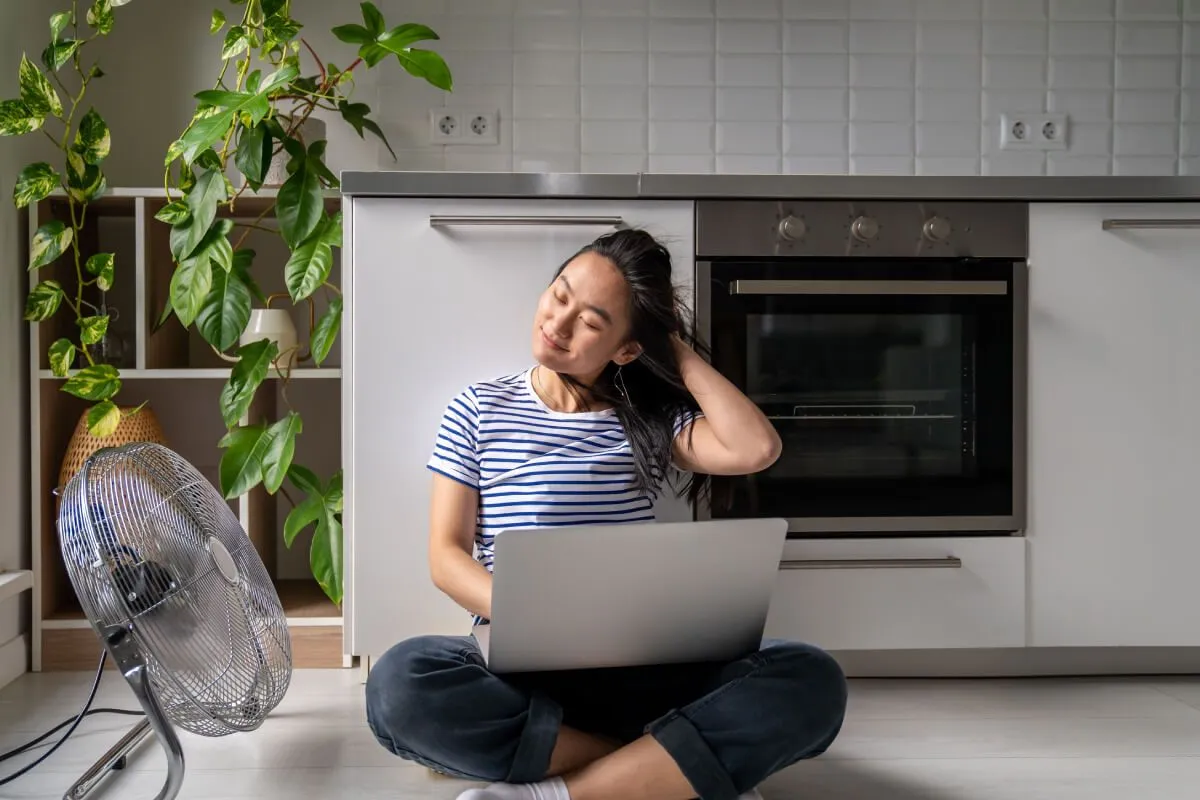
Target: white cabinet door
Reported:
[(906, 594), (1114, 437), (431, 310)]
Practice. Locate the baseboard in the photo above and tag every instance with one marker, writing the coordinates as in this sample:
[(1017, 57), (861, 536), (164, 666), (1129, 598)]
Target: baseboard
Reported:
[(14, 659), (1020, 662)]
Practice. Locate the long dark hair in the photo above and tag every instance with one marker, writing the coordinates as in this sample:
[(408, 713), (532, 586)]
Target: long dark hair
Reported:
[(649, 395)]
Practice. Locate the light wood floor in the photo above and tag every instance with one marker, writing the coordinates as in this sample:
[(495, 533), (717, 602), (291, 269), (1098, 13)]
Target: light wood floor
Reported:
[(1053, 739)]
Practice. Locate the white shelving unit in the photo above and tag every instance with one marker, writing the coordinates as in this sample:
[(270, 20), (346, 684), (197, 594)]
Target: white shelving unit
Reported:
[(178, 375), (14, 582)]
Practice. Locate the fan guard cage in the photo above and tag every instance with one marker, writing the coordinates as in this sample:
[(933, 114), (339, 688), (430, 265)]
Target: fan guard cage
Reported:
[(150, 546)]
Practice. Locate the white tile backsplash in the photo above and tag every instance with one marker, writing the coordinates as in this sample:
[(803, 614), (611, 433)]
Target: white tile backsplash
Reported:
[(807, 86)]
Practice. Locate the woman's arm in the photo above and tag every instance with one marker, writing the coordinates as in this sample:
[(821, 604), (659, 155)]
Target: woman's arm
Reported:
[(733, 437), (452, 515)]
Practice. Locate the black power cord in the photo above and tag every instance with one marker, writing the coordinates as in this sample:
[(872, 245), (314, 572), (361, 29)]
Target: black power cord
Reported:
[(86, 711)]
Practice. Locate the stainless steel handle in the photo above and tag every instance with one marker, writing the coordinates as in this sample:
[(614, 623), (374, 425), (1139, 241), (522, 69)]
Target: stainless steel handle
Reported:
[(1115, 224), (949, 562), (443, 221), (761, 287)]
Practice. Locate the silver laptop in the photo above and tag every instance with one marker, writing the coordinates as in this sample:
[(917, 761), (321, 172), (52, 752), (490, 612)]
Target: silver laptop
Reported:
[(586, 597)]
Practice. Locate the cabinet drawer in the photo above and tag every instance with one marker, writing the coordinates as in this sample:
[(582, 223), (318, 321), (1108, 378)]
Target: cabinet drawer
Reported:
[(906, 593)]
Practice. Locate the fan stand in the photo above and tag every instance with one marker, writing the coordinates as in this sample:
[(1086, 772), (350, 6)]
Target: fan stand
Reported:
[(121, 646)]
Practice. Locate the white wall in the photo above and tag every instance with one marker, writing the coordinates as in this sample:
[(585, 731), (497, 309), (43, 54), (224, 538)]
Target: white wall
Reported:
[(20, 25)]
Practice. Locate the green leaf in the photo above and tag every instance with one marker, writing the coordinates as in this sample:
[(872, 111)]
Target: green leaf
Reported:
[(215, 246), (236, 42), (254, 359), (93, 141), (273, 7), (218, 21), (101, 265), (17, 119), (95, 383), (255, 106), (299, 204), (253, 156), (356, 115), (241, 464), (173, 213), (280, 449), (58, 24), (325, 554), (58, 54), (36, 92), (35, 183), (202, 201), (428, 65), (43, 300), (190, 284), (85, 182), (100, 16), (49, 242), (62, 355), (225, 311), (310, 263), (103, 419), (203, 133), (279, 30), (242, 259), (353, 34), (373, 18), (304, 479), (304, 514), (279, 79), (326, 330), (93, 329), (404, 36)]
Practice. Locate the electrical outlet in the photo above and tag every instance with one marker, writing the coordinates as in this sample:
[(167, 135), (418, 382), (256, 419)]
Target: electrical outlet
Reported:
[(1033, 131), (464, 126)]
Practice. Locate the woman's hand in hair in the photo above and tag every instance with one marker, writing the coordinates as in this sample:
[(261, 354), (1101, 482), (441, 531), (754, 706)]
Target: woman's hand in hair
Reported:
[(733, 437)]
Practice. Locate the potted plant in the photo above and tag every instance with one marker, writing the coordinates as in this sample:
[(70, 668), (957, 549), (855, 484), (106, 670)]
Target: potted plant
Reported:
[(257, 116)]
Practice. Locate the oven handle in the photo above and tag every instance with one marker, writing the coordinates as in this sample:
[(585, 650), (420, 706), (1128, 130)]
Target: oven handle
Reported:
[(443, 220), (945, 288), (1118, 224), (949, 562)]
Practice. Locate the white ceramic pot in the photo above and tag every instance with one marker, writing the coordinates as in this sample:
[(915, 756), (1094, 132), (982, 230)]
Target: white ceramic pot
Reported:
[(312, 130), (276, 325)]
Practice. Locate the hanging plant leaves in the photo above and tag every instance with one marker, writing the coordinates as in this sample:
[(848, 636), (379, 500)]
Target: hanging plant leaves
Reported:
[(218, 21), (304, 479), (43, 300), (93, 329), (17, 119), (103, 419), (240, 469), (96, 382), (236, 42), (225, 311), (36, 92), (101, 265), (58, 23), (209, 127), (85, 182), (300, 203), (356, 115), (57, 54), (49, 242), (190, 284), (310, 263), (93, 141), (35, 183), (254, 359), (253, 156), (325, 554), (326, 330), (62, 355), (280, 448), (100, 16), (304, 514), (173, 213), (209, 192)]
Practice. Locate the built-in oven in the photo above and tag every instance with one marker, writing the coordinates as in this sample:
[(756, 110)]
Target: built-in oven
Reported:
[(886, 342)]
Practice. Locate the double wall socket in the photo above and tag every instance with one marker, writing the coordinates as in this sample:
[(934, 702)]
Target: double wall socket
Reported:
[(455, 126), (1034, 131)]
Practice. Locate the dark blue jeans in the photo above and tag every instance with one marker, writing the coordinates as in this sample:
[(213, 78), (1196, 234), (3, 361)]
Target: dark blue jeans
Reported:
[(728, 726)]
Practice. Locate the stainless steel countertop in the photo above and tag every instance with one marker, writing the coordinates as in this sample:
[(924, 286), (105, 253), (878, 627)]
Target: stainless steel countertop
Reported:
[(792, 187)]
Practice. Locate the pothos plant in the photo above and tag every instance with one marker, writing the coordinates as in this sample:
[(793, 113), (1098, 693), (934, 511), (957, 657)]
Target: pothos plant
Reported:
[(256, 112), (52, 97)]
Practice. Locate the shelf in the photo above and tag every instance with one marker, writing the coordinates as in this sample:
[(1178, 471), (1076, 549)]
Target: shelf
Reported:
[(15, 582), (331, 373)]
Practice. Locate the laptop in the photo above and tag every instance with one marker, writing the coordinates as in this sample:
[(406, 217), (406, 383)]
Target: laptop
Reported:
[(596, 596)]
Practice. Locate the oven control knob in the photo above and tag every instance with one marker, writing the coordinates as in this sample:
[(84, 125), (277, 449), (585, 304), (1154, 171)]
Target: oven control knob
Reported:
[(792, 228), (864, 229), (936, 229)]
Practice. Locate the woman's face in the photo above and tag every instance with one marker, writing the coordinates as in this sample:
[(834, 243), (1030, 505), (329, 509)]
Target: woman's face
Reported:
[(582, 320)]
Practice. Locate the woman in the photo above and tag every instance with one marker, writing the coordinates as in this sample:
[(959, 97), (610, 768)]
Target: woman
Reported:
[(588, 435)]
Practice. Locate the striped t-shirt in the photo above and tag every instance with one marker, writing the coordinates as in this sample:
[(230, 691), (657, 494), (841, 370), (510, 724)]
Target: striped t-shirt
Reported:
[(534, 467)]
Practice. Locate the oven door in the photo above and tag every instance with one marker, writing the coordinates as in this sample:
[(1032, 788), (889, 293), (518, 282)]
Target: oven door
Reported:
[(896, 385)]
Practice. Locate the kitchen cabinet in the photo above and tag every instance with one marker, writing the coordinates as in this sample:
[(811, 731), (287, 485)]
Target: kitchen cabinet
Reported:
[(441, 294), (1114, 461)]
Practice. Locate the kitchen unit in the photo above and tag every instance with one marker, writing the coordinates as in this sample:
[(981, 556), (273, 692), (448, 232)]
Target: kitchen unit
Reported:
[(1009, 347)]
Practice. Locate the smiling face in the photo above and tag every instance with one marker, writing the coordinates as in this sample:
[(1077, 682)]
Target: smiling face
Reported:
[(582, 321)]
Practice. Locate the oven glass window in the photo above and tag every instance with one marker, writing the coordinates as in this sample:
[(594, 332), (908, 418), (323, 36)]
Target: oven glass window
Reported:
[(891, 386)]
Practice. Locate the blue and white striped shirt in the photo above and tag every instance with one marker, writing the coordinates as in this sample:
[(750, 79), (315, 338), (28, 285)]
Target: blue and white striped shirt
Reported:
[(534, 467)]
